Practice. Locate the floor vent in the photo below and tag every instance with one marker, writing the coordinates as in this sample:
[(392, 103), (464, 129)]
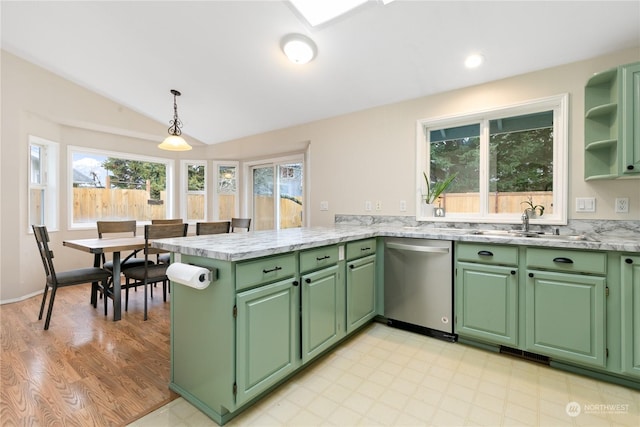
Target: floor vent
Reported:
[(524, 355)]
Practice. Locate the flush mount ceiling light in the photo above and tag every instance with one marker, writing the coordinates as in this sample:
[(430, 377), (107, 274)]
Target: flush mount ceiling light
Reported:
[(474, 60), (174, 142), (299, 49)]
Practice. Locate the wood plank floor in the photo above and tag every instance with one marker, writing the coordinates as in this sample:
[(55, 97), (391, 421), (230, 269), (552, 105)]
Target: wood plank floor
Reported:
[(86, 369)]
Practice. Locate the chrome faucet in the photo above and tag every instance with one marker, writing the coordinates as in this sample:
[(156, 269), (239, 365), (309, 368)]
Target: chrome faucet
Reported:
[(525, 220)]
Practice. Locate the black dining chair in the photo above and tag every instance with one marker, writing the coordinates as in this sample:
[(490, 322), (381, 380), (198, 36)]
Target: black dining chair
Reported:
[(55, 280), (120, 228), (217, 227), (152, 273), (243, 223), (164, 257)]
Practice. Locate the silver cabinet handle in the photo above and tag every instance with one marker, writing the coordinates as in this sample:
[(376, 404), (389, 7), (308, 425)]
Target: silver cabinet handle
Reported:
[(415, 248)]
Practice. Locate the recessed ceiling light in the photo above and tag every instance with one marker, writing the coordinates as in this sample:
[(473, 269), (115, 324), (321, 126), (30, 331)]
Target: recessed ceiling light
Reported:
[(474, 61), (318, 12), (299, 49)]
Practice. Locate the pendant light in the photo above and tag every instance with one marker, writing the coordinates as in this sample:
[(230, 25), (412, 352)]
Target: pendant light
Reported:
[(174, 142)]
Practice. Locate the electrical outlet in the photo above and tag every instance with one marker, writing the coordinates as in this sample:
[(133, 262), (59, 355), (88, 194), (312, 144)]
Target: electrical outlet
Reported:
[(622, 205), (403, 205), (324, 206), (378, 205), (367, 205)]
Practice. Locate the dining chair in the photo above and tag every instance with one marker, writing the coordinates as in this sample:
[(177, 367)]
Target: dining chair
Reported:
[(152, 273), (167, 221), (127, 227), (240, 223), (217, 227), (55, 280), (165, 257)]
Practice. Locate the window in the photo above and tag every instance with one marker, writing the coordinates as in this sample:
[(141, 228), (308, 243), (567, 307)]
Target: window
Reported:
[(277, 193), (500, 159), (111, 186), (226, 201), (43, 183), (194, 194)]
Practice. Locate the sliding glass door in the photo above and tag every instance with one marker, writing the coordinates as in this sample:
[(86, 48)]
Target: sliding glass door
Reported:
[(277, 195)]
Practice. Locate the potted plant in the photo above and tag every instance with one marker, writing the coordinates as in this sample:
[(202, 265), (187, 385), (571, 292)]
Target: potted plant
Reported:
[(434, 190), (532, 210)]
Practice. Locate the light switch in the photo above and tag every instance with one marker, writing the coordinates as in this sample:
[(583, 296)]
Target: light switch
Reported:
[(585, 204), (324, 205)]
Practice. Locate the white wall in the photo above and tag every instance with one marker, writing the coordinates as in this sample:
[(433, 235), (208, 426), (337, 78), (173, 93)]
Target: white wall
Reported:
[(368, 155)]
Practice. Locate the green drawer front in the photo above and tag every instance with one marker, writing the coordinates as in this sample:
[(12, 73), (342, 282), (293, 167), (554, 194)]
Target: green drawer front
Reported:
[(313, 259), (361, 248), (567, 260), (264, 270), (487, 253)]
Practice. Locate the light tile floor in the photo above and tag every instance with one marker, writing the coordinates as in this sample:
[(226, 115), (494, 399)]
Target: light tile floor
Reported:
[(388, 377)]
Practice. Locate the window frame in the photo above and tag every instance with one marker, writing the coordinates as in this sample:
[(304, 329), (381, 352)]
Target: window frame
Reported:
[(559, 104), (216, 199), (49, 181), (275, 162), (170, 171), (184, 183)]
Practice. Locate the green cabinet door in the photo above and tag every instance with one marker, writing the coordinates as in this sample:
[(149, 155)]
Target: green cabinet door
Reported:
[(630, 279), (322, 311), (631, 122), (266, 337), (565, 316), (361, 291), (487, 303)]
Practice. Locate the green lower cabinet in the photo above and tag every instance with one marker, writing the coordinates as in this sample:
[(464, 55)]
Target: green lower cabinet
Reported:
[(322, 311), (630, 280), (361, 291), (267, 337), (487, 303), (565, 317)]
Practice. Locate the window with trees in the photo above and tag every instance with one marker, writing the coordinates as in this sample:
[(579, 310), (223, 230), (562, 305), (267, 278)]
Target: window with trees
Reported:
[(502, 159), (111, 186), (43, 183), (226, 201), (278, 193), (194, 194)]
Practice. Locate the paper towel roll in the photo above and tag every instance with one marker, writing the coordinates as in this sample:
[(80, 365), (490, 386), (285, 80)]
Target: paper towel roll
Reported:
[(189, 275)]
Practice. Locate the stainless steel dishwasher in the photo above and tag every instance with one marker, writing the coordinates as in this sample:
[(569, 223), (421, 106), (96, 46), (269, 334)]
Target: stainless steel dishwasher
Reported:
[(418, 286)]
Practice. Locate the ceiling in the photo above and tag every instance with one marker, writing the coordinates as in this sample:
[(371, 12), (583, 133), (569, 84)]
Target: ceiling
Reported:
[(225, 58)]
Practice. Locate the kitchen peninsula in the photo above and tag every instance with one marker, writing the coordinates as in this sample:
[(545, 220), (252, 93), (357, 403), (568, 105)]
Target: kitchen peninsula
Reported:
[(279, 299)]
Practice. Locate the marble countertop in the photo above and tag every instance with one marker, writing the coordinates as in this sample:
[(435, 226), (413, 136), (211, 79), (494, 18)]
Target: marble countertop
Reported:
[(242, 246)]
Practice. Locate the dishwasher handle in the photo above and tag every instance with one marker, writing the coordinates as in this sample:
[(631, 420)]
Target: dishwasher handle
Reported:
[(417, 248)]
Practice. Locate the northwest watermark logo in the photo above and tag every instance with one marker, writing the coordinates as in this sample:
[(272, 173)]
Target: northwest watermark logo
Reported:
[(574, 409)]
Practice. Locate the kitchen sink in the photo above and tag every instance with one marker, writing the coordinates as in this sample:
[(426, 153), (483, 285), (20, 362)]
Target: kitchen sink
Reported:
[(533, 234)]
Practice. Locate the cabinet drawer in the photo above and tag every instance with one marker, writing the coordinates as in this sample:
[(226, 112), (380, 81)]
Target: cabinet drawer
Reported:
[(264, 270), (313, 259), (487, 253), (361, 248), (567, 260)]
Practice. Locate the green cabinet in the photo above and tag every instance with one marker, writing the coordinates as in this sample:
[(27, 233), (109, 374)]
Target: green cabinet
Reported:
[(266, 337), (323, 301), (631, 123), (566, 310), (612, 144), (361, 283), (630, 288), (486, 293), (487, 303)]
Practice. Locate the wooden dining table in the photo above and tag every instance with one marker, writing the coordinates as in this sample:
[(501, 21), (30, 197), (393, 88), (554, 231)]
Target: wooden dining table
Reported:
[(98, 247)]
